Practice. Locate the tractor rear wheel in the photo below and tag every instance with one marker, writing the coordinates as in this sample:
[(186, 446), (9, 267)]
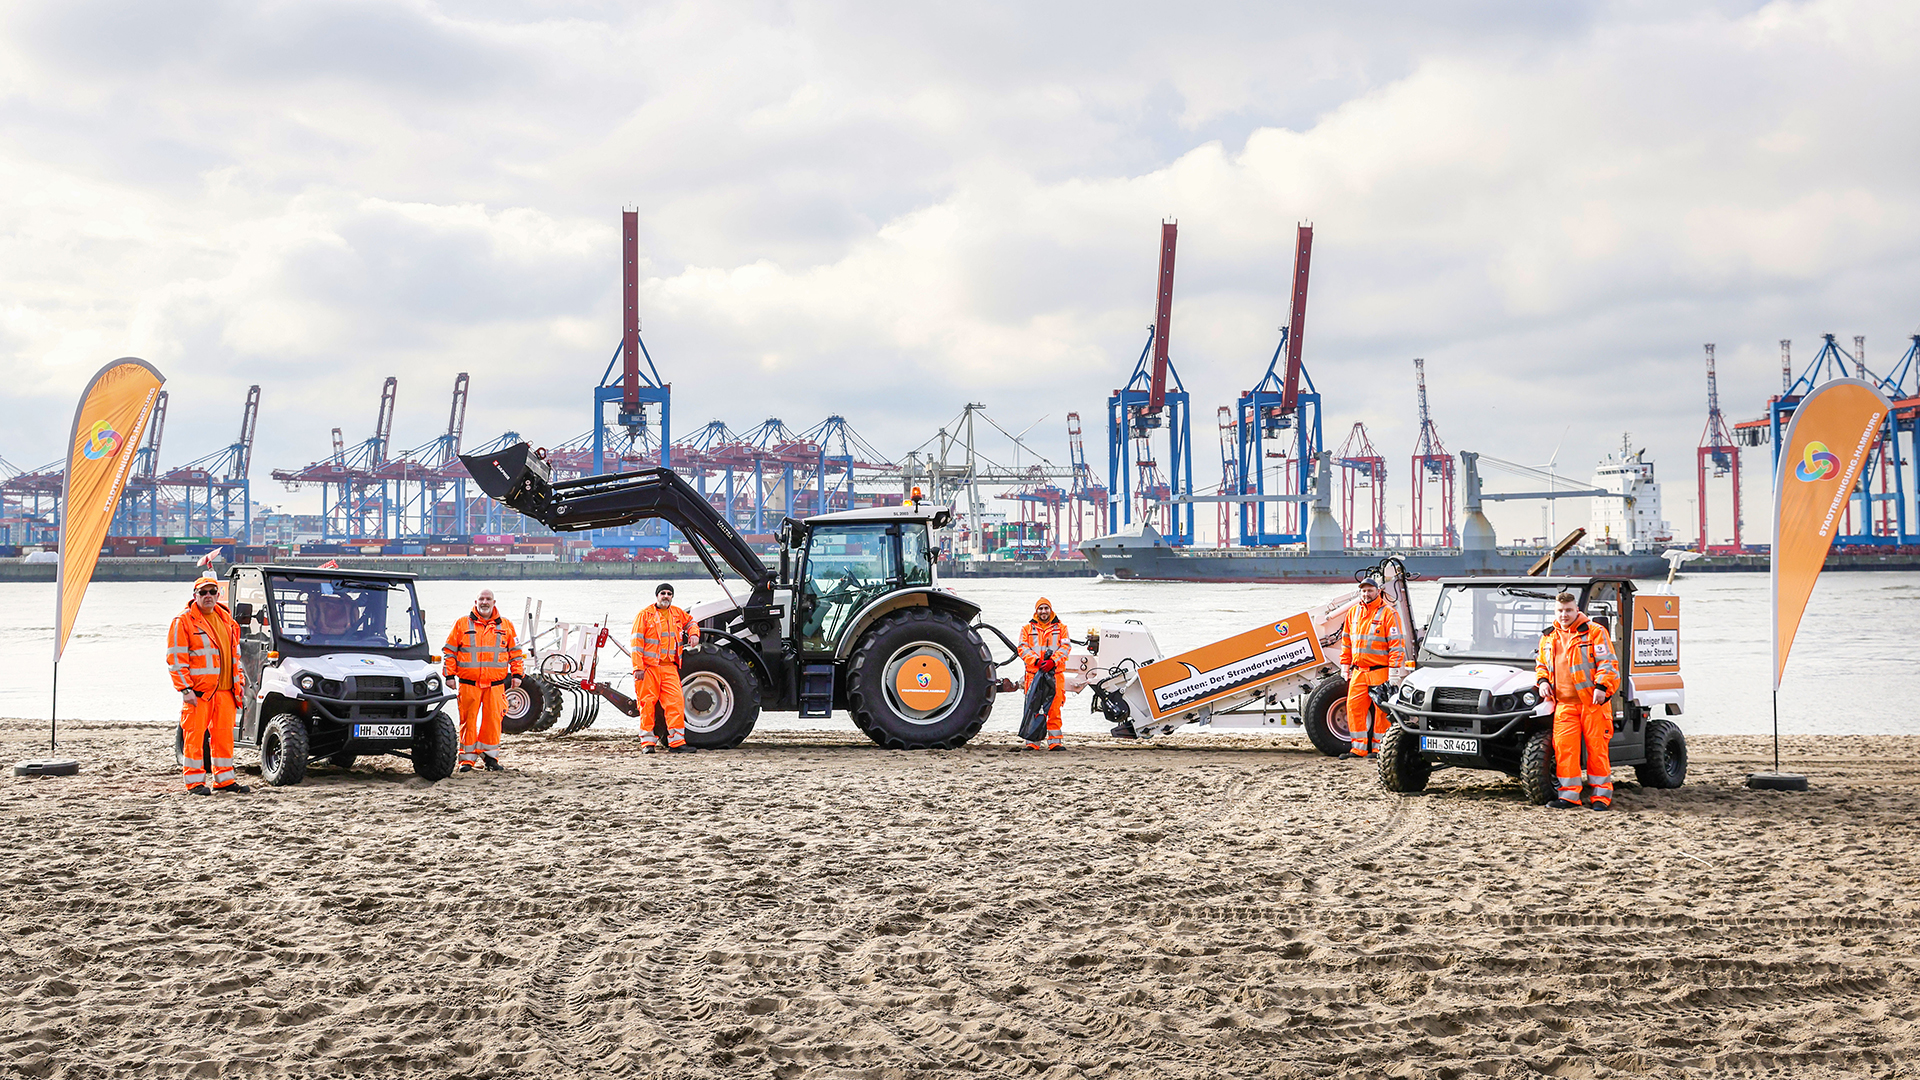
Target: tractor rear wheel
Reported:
[(1326, 717), (1538, 779), (921, 680)]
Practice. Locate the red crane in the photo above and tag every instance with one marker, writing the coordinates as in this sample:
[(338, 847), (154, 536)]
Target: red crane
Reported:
[(1718, 448), (1431, 465), (1362, 468), (1162, 319), (1297, 323), (1229, 475)]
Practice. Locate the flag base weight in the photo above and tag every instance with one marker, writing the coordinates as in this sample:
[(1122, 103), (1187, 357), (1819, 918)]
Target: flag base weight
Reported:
[(47, 767), (1777, 781)]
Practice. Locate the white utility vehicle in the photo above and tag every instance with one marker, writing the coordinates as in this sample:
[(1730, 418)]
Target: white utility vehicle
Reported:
[(338, 666)]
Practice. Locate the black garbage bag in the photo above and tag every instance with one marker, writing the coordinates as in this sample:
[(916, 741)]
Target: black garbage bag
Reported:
[(1033, 721)]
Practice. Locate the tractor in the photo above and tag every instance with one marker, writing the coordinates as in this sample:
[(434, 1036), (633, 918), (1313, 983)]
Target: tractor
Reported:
[(853, 619)]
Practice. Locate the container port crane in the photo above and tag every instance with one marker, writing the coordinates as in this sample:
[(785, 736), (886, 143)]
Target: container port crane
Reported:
[(1284, 400), (1719, 454), (1153, 398), (1432, 470), (1883, 516), (1362, 469), (353, 500)]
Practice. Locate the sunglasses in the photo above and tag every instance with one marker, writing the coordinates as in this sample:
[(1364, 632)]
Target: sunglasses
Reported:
[(206, 592)]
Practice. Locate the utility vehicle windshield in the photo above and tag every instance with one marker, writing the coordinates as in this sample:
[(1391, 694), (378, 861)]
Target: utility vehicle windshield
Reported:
[(1496, 622), (354, 614)]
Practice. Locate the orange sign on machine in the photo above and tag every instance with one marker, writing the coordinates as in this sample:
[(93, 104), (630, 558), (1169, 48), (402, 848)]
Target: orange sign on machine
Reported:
[(1656, 642), (1204, 676)]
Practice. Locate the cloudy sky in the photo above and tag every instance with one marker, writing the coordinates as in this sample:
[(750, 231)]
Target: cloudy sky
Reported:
[(886, 211)]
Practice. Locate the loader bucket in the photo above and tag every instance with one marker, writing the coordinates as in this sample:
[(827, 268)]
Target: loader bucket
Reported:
[(514, 476)]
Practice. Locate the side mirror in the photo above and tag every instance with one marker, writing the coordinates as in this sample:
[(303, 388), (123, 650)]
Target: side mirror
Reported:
[(242, 613)]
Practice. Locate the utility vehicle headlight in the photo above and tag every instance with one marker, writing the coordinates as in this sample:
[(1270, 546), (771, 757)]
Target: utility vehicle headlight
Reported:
[(433, 684), (307, 681), (1530, 698)]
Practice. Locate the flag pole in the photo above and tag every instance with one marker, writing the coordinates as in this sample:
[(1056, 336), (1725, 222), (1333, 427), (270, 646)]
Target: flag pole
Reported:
[(53, 721)]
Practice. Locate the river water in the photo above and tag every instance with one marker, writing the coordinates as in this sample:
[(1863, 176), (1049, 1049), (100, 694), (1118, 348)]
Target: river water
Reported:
[(1853, 669)]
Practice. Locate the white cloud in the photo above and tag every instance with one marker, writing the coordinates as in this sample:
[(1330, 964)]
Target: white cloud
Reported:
[(888, 215)]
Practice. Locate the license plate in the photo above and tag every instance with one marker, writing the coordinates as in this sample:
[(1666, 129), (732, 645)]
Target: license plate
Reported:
[(1441, 744), (383, 731)]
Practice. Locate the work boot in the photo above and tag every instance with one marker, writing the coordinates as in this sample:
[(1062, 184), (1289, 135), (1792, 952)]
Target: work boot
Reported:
[(198, 789), (1057, 746), (1561, 804), (466, 766), (236, 788), (682, 748), (491, 764), (1598, 805)]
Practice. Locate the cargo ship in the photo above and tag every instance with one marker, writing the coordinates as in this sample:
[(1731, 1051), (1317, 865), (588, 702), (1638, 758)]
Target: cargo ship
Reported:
[(1628, 514)]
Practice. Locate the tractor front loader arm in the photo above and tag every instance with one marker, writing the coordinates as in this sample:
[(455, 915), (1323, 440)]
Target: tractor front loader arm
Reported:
[(520, 477)]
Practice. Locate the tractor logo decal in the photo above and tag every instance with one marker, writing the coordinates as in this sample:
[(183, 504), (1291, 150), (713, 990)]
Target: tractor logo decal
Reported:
[(923, 683), (1817, 463), (100, 441)]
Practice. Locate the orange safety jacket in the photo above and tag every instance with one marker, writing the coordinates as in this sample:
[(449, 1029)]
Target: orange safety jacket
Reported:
[(1038, 639), (1372, 637), (1576, 660), (483, 651), (203, 651), (660, 636)]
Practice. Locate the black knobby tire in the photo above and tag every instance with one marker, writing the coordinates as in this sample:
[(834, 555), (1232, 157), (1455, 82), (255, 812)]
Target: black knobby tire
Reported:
[(1538, 780), (722, 698), (524, 705), (1326, 717), (1666, 765), (957, 720), (342, 760), (1401, 767), (283, 750), (436, 747), (552, 704)]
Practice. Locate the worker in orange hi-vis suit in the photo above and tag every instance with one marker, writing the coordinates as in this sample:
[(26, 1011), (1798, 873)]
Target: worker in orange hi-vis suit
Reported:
[(660, 634), (1579, 672), (203, 655), (1045, 647), (483, 654), (1371, 653)]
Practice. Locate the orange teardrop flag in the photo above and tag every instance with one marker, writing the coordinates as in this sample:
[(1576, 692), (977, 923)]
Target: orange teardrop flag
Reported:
[(1821, 458), (107, 427)]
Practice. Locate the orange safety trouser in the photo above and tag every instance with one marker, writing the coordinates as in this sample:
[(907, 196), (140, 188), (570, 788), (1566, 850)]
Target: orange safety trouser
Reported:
[(481, 708), (1576, 723), (208, 719), (1360, 706), (1053, 710), (660, 685)]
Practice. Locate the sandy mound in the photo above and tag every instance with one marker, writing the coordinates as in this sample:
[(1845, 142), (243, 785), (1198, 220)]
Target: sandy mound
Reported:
[(812, 906)]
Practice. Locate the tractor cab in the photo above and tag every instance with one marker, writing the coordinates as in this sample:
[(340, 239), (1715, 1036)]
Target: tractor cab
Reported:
[(840, 565)]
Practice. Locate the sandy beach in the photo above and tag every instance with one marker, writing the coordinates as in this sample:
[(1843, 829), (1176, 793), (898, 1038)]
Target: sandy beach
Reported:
[(809, 905)]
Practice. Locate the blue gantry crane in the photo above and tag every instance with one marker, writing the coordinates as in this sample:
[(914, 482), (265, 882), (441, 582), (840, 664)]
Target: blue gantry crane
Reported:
[(1148, 403)]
